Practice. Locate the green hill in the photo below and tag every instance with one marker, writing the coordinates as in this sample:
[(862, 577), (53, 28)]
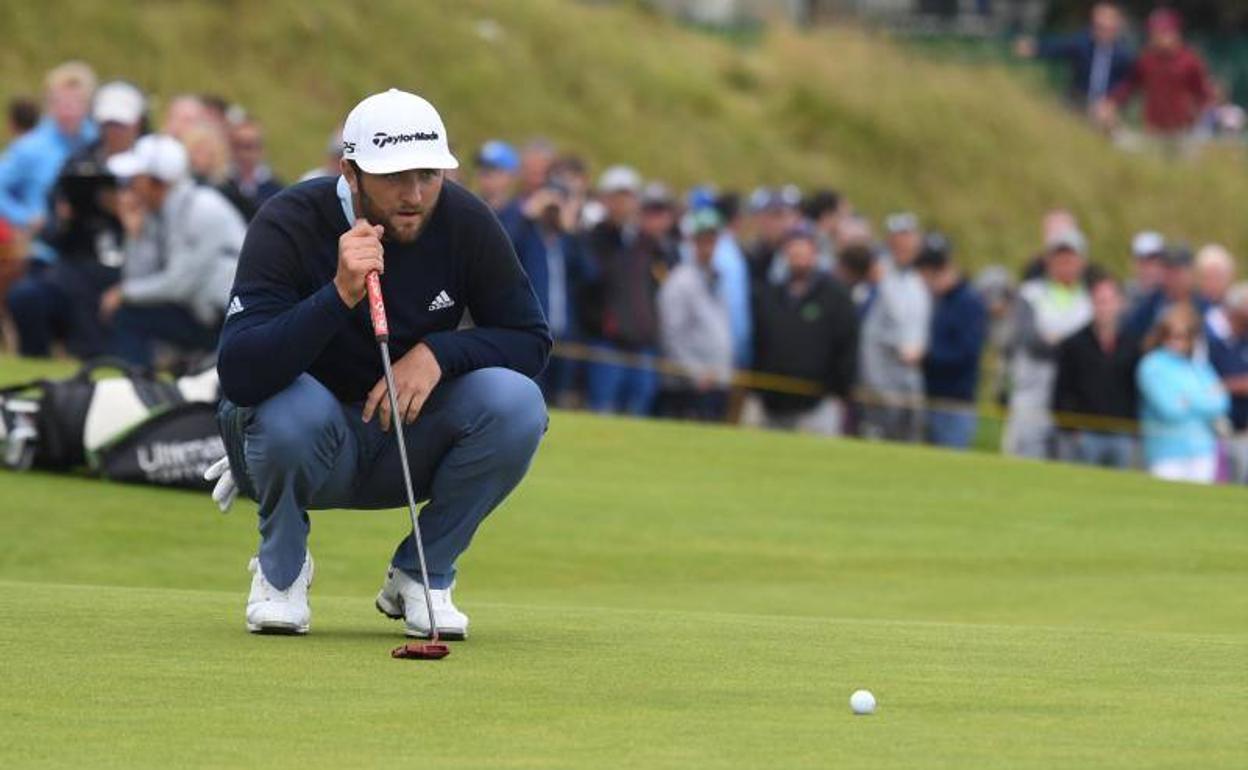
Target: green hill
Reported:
[(979, 150)]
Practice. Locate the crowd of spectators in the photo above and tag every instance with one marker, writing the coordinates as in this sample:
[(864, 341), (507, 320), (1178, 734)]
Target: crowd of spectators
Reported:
[(775, 308)]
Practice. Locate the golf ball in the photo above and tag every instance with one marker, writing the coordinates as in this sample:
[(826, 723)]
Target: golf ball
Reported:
[(862, 702)]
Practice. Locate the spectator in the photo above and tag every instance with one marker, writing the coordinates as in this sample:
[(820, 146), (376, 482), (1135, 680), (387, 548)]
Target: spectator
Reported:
[(333, 158), (553, 258), (959, 329), (208, 151), (250, 175), (1054, 222), (1215, 272), (185, 112), (1099, 57), (496, 165), (1177, 288), (536, 159), (824, 210), (1173, 78), (1048, 310), (1228, 353), (894, 339), (805, 334), (994, 286), (1147, 266), (30, 165), (772, 216), (23, 116), (733, 278), (60, 300), (618, 303), (182, 245), (695, 329), (856, 271), (656, 229), (1182, 401), (1096, 392)]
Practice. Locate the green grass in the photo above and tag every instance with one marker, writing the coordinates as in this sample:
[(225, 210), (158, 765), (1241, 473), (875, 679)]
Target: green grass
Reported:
[(980, 149), (654, 595)]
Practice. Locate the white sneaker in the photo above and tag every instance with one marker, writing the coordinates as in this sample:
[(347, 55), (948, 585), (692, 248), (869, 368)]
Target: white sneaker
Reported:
[(270, 611), (402, 597)]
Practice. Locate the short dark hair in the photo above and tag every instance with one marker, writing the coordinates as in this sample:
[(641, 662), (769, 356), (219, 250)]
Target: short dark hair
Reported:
[(729, 207), (821, 202), (23, 113), (857, 260)]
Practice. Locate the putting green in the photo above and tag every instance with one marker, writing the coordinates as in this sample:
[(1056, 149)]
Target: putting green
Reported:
[(654, 595)]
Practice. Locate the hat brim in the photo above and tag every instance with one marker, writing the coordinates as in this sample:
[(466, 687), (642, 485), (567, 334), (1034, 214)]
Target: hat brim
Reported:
[(442, 161), (126, 165)]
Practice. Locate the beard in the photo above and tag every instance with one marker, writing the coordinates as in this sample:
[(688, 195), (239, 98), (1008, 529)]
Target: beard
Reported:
[(398, 228)]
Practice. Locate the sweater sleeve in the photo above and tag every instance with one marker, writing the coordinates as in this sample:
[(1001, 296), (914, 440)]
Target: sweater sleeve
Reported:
[(1158, 390), (511, 330), (271, 335)]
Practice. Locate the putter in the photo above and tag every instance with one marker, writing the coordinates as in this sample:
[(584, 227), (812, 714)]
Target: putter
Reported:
[(433, 649)]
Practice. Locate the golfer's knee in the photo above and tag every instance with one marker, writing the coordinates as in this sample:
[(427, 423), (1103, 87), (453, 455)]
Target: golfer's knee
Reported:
[(288, 428), (512, 407)]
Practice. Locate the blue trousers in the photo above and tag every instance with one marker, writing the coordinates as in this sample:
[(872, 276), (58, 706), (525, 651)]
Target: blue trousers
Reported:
[(951, 429), (613, 388), (137, 327), (1109, 450), (304, 450)]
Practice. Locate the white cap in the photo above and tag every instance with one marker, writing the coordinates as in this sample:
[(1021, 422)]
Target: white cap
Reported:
[(1147, 244), (396, 131), (620, 179), (156, 155), (118, 102), (1067, 240)]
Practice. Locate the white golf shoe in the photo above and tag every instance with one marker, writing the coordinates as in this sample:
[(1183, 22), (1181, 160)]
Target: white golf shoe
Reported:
[(402, 597), (270, 611)]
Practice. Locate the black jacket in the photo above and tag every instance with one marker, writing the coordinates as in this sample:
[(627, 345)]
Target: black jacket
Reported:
[(1092, 381), (813, 337)]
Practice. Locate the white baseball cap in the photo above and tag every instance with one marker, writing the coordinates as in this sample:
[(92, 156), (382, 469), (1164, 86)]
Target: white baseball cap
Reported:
[(620, 179), (156, 155), (118, 102), (1147, 244), (396, 131)]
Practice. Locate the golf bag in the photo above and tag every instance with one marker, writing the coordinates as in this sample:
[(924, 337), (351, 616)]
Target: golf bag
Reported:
[(134, 427)]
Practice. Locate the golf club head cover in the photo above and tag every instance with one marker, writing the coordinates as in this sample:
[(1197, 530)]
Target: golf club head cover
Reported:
[(377, 307)]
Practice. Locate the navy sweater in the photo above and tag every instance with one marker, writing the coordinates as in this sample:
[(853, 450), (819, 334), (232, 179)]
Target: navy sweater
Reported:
[(286, 317), (959, 329)]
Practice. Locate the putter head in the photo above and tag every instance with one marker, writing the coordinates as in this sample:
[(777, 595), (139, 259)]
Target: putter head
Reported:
[(421, 651)]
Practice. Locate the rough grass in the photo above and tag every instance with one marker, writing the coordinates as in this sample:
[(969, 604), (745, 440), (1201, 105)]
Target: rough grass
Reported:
[(978, 149), (654, 595)]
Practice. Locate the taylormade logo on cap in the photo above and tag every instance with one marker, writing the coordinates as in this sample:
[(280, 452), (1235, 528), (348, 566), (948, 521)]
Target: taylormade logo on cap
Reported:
[(396, 131), (382, 139)]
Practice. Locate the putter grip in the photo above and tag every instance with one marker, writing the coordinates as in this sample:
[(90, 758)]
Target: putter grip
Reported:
[(377, 307)]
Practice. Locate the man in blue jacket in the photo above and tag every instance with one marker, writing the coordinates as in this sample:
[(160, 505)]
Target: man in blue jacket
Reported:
[(955, 346), (306, 421), (1099, 57)]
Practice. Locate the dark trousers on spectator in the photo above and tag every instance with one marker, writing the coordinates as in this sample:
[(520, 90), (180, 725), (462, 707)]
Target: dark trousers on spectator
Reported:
[(136, 329), (690, 404), (624, 387), (952, 428), (1109, 450), (61, 301)]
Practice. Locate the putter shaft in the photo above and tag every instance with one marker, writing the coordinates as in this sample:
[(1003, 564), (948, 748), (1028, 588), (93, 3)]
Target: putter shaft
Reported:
[(396, 424)]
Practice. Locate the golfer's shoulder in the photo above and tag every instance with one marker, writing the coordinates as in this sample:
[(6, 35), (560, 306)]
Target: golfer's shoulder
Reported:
[(303, 208), (464, 210)]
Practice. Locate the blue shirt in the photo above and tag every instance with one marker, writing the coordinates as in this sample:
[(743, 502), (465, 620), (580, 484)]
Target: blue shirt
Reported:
[(1229, 357), (286, 317), (1180, 400), (30, 166)]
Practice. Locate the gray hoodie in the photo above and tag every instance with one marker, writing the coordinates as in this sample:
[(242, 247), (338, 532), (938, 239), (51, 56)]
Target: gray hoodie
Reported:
[(186, 254)]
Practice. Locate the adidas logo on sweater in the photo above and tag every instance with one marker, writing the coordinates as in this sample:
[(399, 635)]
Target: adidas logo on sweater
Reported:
[(442, 301)]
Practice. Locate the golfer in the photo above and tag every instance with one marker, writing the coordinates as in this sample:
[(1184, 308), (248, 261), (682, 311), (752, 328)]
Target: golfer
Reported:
[(306, 417)]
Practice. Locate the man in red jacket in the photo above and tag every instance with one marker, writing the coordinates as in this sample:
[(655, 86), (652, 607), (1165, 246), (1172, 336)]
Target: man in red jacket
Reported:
[(1172, 76)]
